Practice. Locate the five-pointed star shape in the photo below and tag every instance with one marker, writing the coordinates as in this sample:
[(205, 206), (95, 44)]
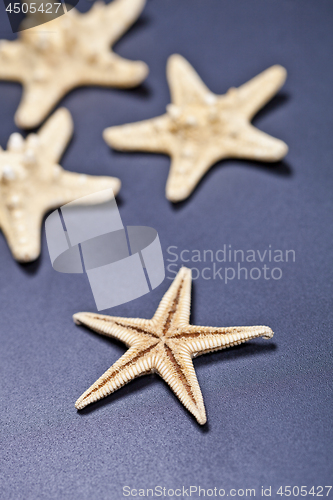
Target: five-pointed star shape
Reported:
[(32, 182), (164, 344), (67, 52), (201, 128)]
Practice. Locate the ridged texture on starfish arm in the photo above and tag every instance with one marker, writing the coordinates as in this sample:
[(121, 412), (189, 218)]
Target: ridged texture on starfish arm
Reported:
[(32, 182), (201, 128), (74, 51), (164, 344)]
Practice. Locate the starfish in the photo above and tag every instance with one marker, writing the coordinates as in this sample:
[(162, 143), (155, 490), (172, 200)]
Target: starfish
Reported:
[(164, 344), (32, 182), (201, 128), (70, 51)]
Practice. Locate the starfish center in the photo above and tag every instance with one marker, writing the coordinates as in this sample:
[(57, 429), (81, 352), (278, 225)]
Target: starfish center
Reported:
[(201, 123)]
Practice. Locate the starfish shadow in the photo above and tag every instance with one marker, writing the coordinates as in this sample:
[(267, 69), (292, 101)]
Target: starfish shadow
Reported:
[(280, 168), (245, 350), (142, 91), (30, 267)]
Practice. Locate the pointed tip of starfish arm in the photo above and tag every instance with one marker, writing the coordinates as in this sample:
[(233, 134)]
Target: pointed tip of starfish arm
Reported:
[(267, 332), (142, 71), (179, 187), (30, 116), (178, 193), (278, 72), (26, 120), (201, 417), (26, 253), (129, 74), (81, 403), (278, 152), (115, 184), (176, 61), (135, 73), (101, 185), (185, 272), (86, 399), (284, 150), (79, 318)]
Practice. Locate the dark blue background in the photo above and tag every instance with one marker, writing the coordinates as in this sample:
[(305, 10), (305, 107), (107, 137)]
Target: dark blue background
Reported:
[(268, 402)]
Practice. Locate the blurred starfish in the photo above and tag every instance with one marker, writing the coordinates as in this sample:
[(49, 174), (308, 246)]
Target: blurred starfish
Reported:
[(164, 344), (201, 128), (70, 51), (32, 182)]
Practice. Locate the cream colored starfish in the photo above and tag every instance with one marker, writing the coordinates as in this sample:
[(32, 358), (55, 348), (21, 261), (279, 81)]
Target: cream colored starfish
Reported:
[(67, 52), (164, 344), (32, 182), (201, 128)]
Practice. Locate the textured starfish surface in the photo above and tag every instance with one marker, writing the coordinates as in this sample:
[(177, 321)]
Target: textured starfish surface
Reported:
[(67, 52), (201, 128), (164, 344), (32, 182)]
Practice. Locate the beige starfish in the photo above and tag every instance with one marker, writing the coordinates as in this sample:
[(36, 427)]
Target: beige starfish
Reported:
[(201, 128), (67, 52), (32, 182), (164, 344)]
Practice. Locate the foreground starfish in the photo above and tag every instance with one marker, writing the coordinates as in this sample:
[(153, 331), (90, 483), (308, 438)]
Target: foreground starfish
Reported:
[(164, 344), (32, 182), (67, 52), (201, 128)]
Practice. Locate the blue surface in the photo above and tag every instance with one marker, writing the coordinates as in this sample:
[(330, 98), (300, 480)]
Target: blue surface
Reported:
[(269, 403)]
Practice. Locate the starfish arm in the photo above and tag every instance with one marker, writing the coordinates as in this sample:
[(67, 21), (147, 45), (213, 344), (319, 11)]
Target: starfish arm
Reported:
[(200, 340), (148, 135), (254, 144), (23, 235), (174, 308), (186, 171), (186, 87), (113, 70), (55, 134), (137, 361), (37, 101), (127, 330), (254, 94), (176, 368), (117, 17), (69, 186)]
